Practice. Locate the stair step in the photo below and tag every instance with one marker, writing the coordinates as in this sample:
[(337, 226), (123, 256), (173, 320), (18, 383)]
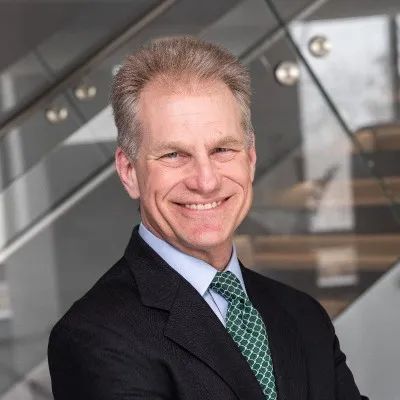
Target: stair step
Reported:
[(373, 139), (363, 192), (334, 252), (366, 220), (339, 259), (383, 137), (385, 244), (380, 163), (340, 284)]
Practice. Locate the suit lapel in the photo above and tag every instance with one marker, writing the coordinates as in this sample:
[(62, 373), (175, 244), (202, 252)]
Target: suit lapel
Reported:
[(284, 340), (191, 324), (194, 326)]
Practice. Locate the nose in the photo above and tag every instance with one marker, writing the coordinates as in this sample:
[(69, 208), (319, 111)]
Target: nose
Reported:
[(204, 178)]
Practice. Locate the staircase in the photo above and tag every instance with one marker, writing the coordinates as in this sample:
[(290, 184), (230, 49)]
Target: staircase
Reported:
[(336, 266)]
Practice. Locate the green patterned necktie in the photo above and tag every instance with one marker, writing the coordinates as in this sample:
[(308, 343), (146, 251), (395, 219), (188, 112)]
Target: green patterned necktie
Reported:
[(245, 325)]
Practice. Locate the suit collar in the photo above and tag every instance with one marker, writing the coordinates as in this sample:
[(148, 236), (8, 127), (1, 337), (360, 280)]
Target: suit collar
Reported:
[(191, 324), (284, 340), (156, 281)]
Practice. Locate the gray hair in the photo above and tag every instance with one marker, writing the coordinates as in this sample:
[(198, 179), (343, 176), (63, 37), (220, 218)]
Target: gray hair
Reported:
[(177, 60)]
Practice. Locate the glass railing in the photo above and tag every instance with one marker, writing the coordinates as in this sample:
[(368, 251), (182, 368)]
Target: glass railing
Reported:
[(325, 214), (57, 160)]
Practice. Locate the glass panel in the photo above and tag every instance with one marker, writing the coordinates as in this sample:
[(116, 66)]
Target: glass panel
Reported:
[(24, 146), (59, 173), (44, 166), (320, 220), (242, 27), (87, 28)]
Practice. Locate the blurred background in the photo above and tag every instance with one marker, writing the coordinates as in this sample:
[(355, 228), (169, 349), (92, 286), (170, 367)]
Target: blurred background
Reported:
[(326, 212)]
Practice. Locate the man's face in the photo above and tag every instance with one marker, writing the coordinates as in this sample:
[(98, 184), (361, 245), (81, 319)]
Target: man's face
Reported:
[(194, 172)]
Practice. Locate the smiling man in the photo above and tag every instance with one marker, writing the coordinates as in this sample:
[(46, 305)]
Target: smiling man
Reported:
[(178, 317), (195, 168)]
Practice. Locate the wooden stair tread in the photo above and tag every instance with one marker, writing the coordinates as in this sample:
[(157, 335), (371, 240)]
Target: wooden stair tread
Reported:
[(383, 137), (375, 244), (315, 260), (326, 239), (364, 252), (309, 194)]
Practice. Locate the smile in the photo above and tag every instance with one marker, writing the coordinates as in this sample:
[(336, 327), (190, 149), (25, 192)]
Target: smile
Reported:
[(206, 206)]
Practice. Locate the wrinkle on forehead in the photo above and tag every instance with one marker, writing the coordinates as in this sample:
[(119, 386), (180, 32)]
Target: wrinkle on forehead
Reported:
[(174, 88), (184, 103)]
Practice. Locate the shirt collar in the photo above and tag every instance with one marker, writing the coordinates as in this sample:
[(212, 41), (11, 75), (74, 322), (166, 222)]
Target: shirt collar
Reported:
[(197, 272)]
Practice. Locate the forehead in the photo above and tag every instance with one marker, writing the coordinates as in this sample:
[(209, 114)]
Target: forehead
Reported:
[(175, 108)]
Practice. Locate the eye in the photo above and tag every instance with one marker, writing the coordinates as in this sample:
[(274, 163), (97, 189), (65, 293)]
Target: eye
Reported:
[(171, 155), (223, 154), (222, 150)]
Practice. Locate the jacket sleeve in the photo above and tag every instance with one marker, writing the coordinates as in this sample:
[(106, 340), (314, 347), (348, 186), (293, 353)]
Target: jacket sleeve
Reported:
[(346, 388), (91, 363)]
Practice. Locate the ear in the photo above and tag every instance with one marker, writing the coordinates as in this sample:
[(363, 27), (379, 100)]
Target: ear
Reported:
[(252, 160), (127, 173)]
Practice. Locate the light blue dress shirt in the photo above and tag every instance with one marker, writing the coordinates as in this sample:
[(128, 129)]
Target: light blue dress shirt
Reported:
[(197, 272)]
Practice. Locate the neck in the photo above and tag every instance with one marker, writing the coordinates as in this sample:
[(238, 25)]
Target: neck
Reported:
[(218, 257)]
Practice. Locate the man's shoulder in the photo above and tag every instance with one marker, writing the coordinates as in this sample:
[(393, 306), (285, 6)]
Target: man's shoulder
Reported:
[(107, 298)]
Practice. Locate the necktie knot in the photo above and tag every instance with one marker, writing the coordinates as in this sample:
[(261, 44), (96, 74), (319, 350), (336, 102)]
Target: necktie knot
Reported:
[(228, 286)]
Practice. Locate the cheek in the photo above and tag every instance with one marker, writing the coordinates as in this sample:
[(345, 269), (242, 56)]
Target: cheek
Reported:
[(158, 184), (239, 174)]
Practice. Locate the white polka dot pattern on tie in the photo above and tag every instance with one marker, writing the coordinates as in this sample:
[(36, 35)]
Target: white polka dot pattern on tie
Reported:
[(247, 329)]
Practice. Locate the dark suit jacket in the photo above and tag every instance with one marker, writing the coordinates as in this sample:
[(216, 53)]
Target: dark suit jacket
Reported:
[(143, 332)]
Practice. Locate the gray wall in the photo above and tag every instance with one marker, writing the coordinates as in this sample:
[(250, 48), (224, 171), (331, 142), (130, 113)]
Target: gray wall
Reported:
[(369, 332)]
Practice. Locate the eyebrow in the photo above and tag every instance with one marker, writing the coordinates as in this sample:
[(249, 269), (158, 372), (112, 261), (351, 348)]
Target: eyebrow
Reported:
[(229, 141), (176, 145), (170, 145)]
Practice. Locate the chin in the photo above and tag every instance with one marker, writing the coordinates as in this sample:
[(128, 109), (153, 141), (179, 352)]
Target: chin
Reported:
[(207, 239)]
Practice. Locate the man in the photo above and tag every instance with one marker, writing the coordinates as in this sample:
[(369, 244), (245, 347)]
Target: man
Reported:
[(178, 317)]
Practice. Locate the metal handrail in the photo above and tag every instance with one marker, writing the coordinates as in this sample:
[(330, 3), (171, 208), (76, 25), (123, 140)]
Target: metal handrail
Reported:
[(71, 76)]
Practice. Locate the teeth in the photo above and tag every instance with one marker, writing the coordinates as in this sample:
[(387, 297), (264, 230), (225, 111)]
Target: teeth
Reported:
[(203, 206)]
